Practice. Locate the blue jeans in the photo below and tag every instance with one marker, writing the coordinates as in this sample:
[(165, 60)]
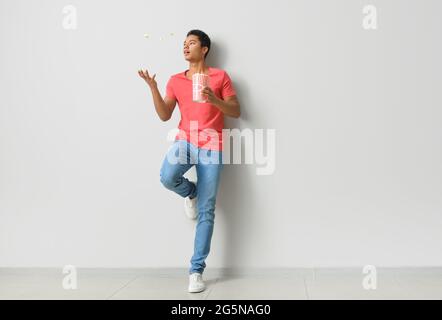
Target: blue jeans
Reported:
[(180, 157)]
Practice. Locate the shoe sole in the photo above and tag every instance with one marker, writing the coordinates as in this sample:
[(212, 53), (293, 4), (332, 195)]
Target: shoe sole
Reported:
[(191, 217), (196, 290)]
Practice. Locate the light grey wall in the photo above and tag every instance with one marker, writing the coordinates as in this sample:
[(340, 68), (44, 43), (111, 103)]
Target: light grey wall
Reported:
[(357, 117)]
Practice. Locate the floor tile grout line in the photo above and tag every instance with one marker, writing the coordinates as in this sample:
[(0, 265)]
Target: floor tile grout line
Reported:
[(208, 293), (124, 286), (305, 288), (396, 280)]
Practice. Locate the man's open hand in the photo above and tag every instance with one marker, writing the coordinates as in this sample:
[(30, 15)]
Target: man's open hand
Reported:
[(149, 80)]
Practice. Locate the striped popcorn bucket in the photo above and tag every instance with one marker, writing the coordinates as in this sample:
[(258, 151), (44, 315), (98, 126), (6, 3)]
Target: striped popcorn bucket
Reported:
[(199, 81)]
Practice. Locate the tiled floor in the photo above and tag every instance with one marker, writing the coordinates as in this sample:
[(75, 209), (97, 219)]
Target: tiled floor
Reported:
[(287, 284)]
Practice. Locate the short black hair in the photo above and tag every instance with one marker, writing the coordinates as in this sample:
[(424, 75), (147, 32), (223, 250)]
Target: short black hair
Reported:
[(203, 37)]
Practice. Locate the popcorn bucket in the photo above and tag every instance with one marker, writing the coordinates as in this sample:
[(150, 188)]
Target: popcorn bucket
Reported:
[(199, 81)]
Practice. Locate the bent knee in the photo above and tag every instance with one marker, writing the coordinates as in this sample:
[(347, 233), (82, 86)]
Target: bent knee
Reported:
[(168, 180), (165, 180)]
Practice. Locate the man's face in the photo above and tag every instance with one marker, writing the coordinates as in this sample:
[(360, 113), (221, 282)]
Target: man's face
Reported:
[(192, 49)]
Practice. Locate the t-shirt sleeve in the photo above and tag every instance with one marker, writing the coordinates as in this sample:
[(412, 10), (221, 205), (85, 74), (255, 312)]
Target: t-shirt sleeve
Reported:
[(227, 89), (169, 89)]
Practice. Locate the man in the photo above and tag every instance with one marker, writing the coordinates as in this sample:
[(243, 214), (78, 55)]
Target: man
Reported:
[(200, 136)]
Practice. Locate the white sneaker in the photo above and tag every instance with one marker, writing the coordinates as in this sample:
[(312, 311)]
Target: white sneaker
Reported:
[(190, 207), (196, 283)]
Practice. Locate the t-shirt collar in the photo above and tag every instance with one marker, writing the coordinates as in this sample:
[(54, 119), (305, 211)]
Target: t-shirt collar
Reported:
[(183, 74)]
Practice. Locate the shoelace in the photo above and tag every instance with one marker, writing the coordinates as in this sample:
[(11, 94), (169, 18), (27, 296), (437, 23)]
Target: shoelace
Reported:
[(196, 277)]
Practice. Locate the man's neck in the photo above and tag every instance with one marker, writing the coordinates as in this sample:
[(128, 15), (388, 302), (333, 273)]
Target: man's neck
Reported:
[(197, 67)]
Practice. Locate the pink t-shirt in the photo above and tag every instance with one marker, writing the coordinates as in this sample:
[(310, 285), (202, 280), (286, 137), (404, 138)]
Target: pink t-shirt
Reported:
[(204, 115)]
